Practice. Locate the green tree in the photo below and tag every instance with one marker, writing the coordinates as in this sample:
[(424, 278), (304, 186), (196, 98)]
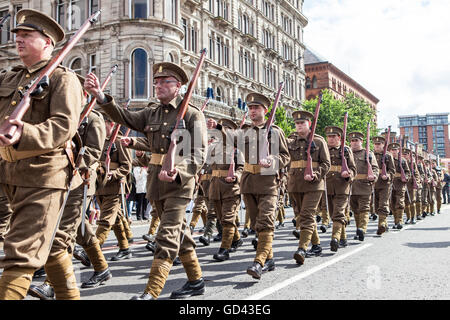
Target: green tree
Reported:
[(332, 113), (282, 120)]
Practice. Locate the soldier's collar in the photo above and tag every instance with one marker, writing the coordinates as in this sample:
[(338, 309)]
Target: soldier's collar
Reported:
[(175, 102), (38, 66)]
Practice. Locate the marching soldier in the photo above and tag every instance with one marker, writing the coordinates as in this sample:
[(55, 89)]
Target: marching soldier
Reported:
[(439, 185), (323, 214), (338, 183), (383, 185), (202, 206), (433, 185), (362, 185), (412, 188), (306, 191), (259, 181), (398, 186), (35, 169), (170, 191), (224, 191), (281, 199), (108, 192), (421, 206)]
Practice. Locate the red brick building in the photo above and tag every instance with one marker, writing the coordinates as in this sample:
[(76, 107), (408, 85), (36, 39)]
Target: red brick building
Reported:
[(322, 74)]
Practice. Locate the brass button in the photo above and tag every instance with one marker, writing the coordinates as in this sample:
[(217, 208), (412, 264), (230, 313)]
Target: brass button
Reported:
[(162, 149), (167, 111), (13, 103), (20, 88), (165, 123), (27, 76), (163, 136), (151, 129)]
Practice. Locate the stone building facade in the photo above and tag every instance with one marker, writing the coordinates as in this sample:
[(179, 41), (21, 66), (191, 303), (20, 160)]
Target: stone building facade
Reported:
[(252, 45)]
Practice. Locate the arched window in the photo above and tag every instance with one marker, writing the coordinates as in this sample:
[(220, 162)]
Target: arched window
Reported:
[(308, 83), (61, 13), (139, 74), (138, 9), (75, 65), (245, 23)]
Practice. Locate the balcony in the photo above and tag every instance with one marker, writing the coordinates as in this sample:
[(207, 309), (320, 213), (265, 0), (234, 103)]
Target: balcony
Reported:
[(250, 39), (221, 21)]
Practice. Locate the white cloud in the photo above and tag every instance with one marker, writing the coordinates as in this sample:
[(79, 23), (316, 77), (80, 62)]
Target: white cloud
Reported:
[(398, 50)]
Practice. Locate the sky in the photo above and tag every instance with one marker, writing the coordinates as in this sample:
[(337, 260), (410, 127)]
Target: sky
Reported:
[(398, 50)]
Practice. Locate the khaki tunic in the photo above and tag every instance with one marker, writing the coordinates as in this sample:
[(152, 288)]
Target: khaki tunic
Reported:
[(399, 187), (36, 186), (383, 187)]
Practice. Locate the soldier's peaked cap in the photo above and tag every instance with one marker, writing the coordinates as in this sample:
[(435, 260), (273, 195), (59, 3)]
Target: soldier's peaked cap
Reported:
[(33, 20), (169, 69), (228, 123), (378, 139), (302, 115), (356, 135), (334, 130), (257, 99), (393, 145)]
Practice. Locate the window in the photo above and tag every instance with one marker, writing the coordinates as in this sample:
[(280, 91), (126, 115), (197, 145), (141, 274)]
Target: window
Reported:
[(171, 10), (139, 74), (77, 9), (75, 65), (139, 9), (219, 94), (93, 6), (171, 58), (5, 31), (60, 13), (314, 82), (93, 63)]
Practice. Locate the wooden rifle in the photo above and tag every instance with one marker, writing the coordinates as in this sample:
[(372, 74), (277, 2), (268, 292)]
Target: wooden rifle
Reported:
[(42, 81), (383, 162), (369, 165), (413, 170), (231, 169), (264, 148), (111, 142), (4, 19), (308, 168), (169, 160), (91, 104), (344, 134)]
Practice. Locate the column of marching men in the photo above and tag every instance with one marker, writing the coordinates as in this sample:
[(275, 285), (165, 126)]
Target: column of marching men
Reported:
[(45, 191)]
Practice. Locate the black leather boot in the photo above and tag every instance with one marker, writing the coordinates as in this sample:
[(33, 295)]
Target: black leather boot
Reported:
[(255, 270), (236, 244), (334, 245), (205, 240), (300, 256), (315, 251), (82, 256), (190, 288), (98, 278), (269, 265), (144, 296), (43, 291), (222, 255), (122, 254)]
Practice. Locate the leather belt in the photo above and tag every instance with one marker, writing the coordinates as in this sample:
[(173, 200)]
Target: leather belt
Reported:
[(220, 173), (302, 164), (252, 168), (206, 176), (361, 176), (336, 168), (157, 159)]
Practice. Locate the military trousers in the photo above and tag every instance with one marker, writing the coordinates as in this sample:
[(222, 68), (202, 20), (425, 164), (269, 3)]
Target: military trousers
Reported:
[(398, 198), (89, 237), (382, 201), (5, 215), (172, 226), (306, 204), (438, 197), (227, 211), (261, 209), (33, 222), (337, 203)]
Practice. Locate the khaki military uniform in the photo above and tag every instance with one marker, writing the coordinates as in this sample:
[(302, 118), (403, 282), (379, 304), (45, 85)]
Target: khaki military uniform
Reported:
[(5, 214), (108, 193), (413, 186), (383, 189), (338, 188), (202, 205), (225, 195), (422, 203), (307, 194), (439, 185), (362, 188), (399, 191), (36, 173), (170, 198)]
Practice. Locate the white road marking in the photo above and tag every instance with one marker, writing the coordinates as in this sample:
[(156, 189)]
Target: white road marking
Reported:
[(302, 275)]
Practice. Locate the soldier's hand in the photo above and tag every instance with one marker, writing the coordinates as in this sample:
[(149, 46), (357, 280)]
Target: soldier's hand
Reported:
[(230, 179), (4, 141), (309, 177), (371, 177), (266, 163), (109, 176), (126, 141), (211, 124), (92, 85), (168, 176), (384, 177), (345, 174)]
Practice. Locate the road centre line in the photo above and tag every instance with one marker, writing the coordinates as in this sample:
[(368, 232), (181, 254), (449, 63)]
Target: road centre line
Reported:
[(305, 274)]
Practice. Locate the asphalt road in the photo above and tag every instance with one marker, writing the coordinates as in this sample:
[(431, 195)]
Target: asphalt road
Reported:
[(406, 264)]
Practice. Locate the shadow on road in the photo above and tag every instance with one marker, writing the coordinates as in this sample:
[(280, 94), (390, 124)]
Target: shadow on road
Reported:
[(428, 245)]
